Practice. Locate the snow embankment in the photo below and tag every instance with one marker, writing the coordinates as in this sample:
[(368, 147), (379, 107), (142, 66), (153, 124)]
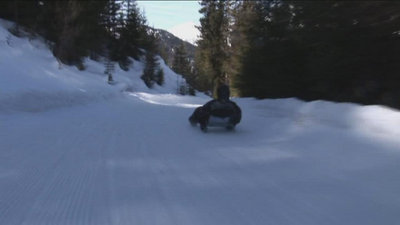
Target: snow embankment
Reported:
[(377, 122), (32, 80)]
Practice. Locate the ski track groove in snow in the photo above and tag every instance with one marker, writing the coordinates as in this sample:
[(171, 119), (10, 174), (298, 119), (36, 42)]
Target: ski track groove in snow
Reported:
[(118, 162), (28, 185)]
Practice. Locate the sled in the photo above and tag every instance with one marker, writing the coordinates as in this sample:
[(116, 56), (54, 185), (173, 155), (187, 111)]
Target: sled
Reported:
[(222, 122), (214, 121)]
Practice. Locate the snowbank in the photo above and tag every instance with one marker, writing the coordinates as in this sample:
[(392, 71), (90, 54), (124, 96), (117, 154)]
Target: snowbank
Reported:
[(33, 80)]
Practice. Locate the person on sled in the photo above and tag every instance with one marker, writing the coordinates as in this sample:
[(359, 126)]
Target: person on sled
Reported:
[(220, 112)]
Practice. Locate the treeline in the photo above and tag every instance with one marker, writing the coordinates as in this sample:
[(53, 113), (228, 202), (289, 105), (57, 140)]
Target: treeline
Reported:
[(114, 30), (333, 50)]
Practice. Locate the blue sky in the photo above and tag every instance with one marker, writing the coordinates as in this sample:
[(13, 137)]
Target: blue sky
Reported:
[(167, 14)]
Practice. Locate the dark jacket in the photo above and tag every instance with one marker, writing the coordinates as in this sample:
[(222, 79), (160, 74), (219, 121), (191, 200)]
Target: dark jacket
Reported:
[(220, 107)]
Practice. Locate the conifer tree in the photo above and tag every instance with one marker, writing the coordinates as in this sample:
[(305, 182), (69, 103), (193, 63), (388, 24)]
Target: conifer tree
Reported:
[(132, 31), (212, 50), (265, 58), (151, 72), (76, 30), (351, 49), (181, 65), (160, 80), (136, 30)]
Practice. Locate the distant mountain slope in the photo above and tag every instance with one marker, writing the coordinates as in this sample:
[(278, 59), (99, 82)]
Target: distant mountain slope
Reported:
[(168, 42), (191, 33)]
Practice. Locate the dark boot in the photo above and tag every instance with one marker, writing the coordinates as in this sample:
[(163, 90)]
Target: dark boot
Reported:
[(230, 126), (203, 127)]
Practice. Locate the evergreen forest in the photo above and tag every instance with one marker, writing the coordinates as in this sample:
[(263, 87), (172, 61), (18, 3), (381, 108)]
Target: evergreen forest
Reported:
[(344, 51)]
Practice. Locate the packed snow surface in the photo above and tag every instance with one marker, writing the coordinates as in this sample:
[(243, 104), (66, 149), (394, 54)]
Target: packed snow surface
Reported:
[(75, 150)]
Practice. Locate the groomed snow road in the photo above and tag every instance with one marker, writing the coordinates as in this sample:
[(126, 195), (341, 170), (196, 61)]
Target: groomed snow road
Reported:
[(135, 160)]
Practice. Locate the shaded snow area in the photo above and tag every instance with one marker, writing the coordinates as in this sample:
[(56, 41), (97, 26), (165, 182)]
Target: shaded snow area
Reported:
[(77, 151)]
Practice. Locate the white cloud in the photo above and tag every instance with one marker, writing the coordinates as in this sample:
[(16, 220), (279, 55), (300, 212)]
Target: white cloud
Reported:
[(186, 31)]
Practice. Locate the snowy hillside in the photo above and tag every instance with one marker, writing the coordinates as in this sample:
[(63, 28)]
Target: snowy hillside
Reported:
[(75, 150), (33, 80)]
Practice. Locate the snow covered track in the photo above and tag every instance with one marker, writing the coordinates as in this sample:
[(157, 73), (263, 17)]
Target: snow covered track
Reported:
[(133, 161)]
